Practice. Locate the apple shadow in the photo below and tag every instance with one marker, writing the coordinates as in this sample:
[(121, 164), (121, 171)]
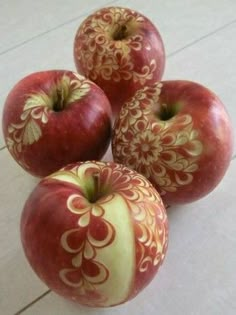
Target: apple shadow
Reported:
[(87, 310), (175, 214)]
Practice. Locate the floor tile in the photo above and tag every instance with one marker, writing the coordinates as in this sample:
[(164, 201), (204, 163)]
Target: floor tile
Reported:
[(182, 22), (19, 285), (17, 16)]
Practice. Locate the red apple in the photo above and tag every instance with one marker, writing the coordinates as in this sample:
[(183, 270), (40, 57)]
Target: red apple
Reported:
[(95, 232), (178, 134), (121, 51), (53, 118)]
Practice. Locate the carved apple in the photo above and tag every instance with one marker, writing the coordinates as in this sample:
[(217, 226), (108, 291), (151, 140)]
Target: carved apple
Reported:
[(121, 50), (95, 232), (52, 118), (178, 134)]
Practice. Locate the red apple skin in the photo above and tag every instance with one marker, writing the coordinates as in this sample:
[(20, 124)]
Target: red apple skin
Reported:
[(99, 253), (186, 156), (43, 140), (122, 66)]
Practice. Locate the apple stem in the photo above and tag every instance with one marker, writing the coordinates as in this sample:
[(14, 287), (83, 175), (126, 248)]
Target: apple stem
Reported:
[(164, 111), (97, 186), (59, 100)]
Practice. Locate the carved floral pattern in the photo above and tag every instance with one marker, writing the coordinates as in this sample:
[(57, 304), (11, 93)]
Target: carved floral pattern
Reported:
[(85, 253), (166, 152), (149, 220), (36, 109), (107, 58)]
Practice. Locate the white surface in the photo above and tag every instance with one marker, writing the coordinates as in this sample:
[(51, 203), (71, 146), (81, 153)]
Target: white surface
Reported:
[(198, 276)]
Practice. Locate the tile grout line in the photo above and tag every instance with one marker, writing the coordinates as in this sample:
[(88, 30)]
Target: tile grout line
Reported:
[(201, 38), (33, 302), (2, 148), (51, 29), (109, 3)]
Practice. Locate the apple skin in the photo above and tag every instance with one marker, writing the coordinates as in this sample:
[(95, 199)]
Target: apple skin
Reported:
[(177, 134), (96, 242), (56, 117), (121, 51)]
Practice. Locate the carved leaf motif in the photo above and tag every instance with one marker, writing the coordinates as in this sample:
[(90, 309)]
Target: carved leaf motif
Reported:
[(32, 132), (78, 90), (37, 99), (28, 131)]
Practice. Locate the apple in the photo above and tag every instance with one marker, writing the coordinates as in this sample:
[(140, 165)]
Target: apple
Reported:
[(177, 134), (120, 50), (95, 232), (53, 118)]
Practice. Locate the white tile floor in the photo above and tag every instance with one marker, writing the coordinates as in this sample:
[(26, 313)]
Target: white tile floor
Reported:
[(198, 276)]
